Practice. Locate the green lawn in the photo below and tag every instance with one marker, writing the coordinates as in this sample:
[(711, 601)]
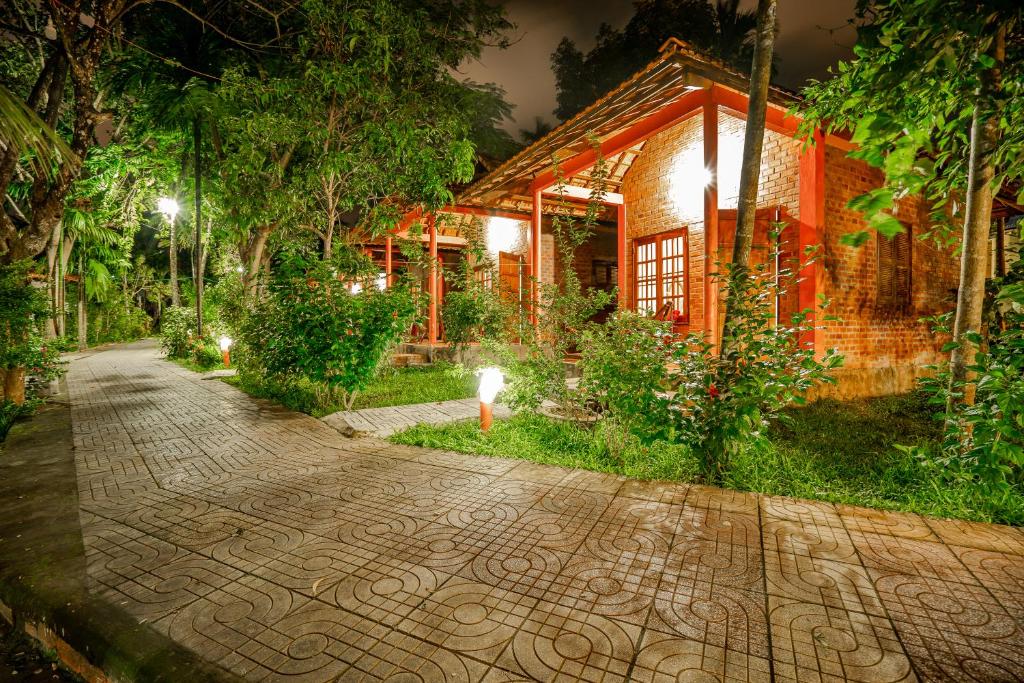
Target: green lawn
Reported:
[(843, 452), (393, 387)]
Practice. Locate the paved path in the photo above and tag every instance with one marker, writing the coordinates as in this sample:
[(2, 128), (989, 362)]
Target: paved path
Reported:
[(272, 545), (383, 422)]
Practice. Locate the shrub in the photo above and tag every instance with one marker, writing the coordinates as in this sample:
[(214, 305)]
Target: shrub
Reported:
[(206, 354), (311, 325), (983, 440), (177, 327), (473, 314), (725, 401), (625, 373)]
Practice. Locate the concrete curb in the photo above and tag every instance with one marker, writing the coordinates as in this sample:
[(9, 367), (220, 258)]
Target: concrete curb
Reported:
[(42, 566)]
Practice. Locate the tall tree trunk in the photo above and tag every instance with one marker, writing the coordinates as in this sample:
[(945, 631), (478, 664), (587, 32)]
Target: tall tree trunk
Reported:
[(66, 245), (977, 224), (83, 337), (172, 255), (252, 258), (52, 287), (753, 143), (1000, 265), (14, 385), (197, 139)]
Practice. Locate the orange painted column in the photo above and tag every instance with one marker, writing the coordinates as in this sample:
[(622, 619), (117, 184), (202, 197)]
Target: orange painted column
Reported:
[(712, 330), (621, 268), (388, 265), (536, 264), (432, 281), (811, 234)]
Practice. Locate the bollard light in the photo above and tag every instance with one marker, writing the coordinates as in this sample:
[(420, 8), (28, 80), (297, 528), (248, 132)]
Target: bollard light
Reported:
[(491, 382), (225, 350)]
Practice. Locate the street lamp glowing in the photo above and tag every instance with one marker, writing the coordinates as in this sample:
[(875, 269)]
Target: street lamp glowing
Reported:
[(225, 350), (168, 207), (491, 382)]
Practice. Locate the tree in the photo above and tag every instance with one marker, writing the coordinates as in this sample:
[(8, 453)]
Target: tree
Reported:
[(720, 30), (933, 97), (353, 130), (753, 143), (69, 66)]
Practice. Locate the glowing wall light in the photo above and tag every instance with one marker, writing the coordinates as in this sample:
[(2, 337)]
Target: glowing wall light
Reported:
[(503, 234)]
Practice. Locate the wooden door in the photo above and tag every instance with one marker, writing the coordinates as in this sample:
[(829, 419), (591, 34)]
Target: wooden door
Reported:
[(786, 260)]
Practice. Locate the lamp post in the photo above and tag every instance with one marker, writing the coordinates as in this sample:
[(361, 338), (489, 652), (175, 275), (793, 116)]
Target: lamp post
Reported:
[(169, 208), (225, 350), (491, 382)]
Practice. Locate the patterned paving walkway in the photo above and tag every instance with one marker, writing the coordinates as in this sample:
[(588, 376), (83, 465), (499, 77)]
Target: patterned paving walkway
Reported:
[(383, 422), (274, 546)]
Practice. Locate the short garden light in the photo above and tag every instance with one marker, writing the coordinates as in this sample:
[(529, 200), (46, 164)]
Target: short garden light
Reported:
[(491, 382), (225, 349)]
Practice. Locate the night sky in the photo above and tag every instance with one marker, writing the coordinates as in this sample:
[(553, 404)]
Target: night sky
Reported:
[(805, 46)]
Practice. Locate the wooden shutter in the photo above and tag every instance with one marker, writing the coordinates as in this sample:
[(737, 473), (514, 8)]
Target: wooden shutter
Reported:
[(894, 260)]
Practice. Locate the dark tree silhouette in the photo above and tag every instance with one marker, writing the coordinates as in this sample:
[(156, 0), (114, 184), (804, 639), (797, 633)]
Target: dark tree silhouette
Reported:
[(720, 30)]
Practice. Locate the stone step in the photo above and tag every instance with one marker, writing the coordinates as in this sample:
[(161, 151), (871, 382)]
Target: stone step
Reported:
[(404, 360)]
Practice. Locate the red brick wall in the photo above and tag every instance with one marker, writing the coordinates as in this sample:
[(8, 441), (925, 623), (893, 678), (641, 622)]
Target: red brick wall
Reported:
[(652, 195), (871, 336)]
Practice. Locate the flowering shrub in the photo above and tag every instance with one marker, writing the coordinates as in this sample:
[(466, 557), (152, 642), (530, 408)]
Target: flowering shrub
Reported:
[(656, 386), (724, 401)]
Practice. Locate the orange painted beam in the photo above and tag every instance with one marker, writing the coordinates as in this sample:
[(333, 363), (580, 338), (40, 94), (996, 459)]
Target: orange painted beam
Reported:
[(812, 234), (775, 119), (388, 265), (711, 285), (655, 123), (536, 263), (621, 268), (478, 211)]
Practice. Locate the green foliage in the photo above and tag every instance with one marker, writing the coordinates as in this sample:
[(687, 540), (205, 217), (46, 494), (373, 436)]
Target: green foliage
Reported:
[(311, 325), (625, 374), (10, 413), (390, 387), (537, 373), (177, 326), (725, 402), (983, 440), (472, 314), (528, 436), (908, 97), (22, 308), (835, 451)]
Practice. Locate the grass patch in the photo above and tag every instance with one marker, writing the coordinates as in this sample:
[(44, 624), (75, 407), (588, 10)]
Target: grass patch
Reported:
[(393, 387), (191, 364), (841, 452)]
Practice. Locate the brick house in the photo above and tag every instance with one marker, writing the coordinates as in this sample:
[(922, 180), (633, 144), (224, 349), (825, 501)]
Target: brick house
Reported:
[(670, 141)]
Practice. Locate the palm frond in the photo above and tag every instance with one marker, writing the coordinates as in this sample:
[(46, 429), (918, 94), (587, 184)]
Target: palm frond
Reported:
[(23, 130)]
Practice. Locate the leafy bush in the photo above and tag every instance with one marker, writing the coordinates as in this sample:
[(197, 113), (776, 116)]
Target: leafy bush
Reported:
[(177, 327), (21, 307), (625, 373), (725, 401), (473, 314), (116, 320), (206, 354), (311, 325), (983, 440)]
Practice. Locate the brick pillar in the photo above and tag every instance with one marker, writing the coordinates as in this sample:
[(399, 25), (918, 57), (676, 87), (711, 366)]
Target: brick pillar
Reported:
[(811, 234), (711, 286)]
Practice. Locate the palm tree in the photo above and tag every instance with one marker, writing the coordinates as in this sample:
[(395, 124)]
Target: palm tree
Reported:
[(734, 33), (22, 130)]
